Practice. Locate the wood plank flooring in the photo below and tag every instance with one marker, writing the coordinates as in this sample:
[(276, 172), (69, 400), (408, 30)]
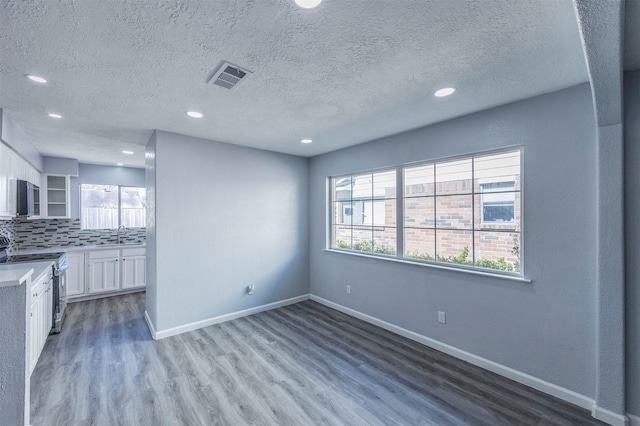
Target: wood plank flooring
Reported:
[(303, 364)]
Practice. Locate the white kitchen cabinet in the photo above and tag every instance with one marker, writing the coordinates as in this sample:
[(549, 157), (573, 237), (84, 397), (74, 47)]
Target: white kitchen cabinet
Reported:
[(41, 316), (56, 196), (133, 268), (103, 268), (75, 274), (12, 168), (105, 272)]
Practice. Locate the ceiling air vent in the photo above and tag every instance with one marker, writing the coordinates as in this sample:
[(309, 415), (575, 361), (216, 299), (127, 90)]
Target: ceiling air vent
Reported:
[(229, 76)]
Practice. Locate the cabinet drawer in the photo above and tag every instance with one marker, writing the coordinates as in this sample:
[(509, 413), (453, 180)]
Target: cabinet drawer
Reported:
[(104, 254), (133, 252), (39, 285)]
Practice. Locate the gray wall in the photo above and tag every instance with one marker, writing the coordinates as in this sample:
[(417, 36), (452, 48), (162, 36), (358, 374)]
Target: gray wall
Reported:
[(632, 232), (545, 328), (104, 175), (151, 263), (60, 166), (14, 355), (226, 217)]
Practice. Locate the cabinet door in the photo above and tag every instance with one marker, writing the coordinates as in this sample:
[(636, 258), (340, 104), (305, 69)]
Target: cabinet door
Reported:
[(42, 319), (48, 319), (75, 275), (104, 275), (133, 272), (34, 335)]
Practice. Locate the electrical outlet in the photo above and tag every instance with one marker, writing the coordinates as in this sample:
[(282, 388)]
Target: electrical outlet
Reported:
[(441, 317), (348, 289)]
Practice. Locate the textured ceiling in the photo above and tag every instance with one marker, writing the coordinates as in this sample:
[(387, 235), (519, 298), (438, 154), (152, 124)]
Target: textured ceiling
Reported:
[(342, 74)]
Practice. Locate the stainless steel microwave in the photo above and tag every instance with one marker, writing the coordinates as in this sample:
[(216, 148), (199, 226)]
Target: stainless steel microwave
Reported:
[(28, 202)]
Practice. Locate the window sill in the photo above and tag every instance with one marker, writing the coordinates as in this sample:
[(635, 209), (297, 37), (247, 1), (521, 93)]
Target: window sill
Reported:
[(431, 265)]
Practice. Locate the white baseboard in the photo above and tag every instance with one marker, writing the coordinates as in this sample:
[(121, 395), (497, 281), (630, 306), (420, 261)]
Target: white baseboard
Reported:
[(518, 376), (633, 420), (161, 334), (609, 417), (150, 325)]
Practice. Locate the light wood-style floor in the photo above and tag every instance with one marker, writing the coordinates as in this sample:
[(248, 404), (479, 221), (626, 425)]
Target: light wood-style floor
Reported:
[(303, 364)]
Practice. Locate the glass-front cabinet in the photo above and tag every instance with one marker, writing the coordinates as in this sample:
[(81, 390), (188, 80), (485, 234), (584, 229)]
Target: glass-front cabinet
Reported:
[(58, 198)]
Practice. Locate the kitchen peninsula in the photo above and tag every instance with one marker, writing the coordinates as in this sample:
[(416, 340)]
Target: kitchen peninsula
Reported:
[(17, 336)]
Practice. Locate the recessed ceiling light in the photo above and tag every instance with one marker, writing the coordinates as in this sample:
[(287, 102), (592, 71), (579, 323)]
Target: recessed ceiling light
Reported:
[(308, 4), (446, 91), (36, 78), (53, 115), (120, 164), (306, 141), (127, 152), (194, 114)]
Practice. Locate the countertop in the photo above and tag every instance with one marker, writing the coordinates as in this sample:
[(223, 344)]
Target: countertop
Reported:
[(15, 273), (68, 249)]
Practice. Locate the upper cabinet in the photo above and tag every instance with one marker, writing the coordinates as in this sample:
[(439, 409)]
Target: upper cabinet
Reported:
[(57, 198), (13, 168)]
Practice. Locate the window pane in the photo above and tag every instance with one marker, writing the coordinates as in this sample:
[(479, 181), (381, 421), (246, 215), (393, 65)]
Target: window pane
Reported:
[(454, 177), (99, 206), (454, 246), (384, 184), (496, 168), (133, 207), (363, 186), (420, 243), (384, 240), (454, 211), (498, 250), (419, 212), (362, 238), (341, 237), (341, 188), (343, 213), (419, 181)]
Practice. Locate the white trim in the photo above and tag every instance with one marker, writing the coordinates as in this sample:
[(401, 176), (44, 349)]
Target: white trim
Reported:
[(150, 325), (161, 334), (609, 417), (633, 420), (431, 265), (518, 376)]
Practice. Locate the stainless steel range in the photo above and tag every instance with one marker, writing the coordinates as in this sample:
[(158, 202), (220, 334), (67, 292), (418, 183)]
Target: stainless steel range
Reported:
[(60, 266)]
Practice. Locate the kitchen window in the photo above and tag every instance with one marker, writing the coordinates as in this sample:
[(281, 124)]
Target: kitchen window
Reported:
[(462, 211), (109, 206)]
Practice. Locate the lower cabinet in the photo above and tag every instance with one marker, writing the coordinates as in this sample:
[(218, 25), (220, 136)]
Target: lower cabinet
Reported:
[(133, 271), (103, 271), (41, 316), (75, 274), (99, 273)]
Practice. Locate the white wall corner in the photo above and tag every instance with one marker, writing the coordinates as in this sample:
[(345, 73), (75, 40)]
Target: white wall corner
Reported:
[(150, 325), (610, 417)]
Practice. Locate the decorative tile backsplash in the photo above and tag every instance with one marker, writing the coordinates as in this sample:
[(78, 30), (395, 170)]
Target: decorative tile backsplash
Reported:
[(27, 234)]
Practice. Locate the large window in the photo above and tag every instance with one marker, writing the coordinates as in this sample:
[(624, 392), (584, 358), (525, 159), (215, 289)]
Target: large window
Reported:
[(109, 206), (463, 211)]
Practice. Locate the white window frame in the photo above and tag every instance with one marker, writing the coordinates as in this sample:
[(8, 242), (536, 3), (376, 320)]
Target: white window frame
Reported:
[(518, 273)]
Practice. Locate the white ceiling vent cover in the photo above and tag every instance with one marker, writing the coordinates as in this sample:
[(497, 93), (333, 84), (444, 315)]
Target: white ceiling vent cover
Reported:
[(229, 76)]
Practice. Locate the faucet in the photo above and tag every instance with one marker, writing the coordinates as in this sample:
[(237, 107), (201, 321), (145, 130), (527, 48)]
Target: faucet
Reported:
[(124, 230)]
